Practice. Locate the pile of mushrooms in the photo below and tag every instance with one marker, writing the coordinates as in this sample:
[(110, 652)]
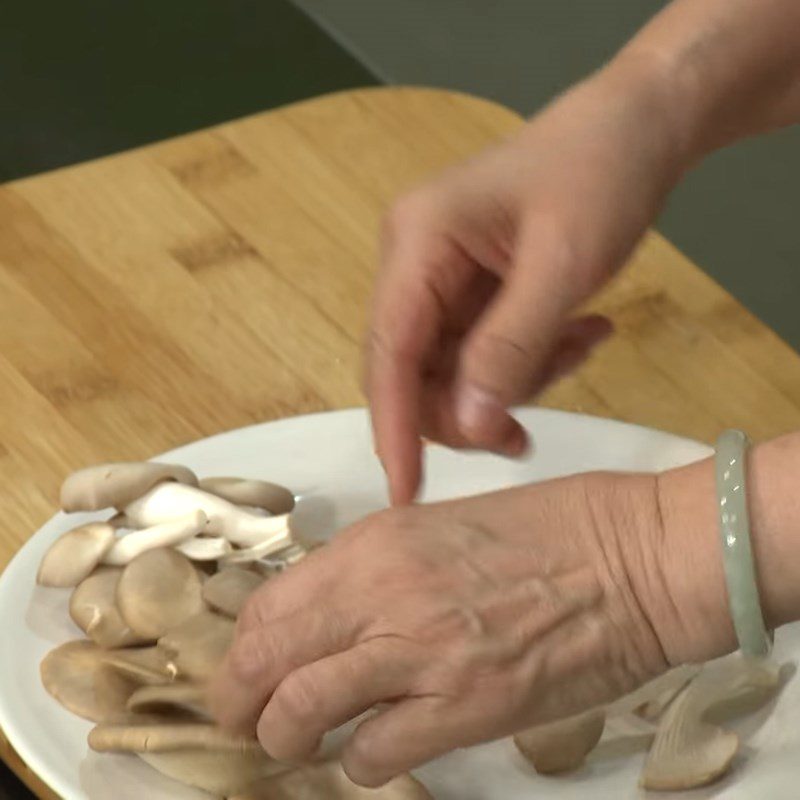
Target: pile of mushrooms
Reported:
[(678, 713), (156, 588)]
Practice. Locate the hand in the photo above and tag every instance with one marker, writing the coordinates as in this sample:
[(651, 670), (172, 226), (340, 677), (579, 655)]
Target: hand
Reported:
[(482, 268), (470, 619)]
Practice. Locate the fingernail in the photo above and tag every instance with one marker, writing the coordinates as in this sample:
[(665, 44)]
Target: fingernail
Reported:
[(476, 410)]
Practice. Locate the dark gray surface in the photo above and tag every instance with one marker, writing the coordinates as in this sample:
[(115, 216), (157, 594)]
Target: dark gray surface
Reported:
[(734, 215), (90, 77)]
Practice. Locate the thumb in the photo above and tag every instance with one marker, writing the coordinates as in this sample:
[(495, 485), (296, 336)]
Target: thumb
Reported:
[(506, 354)]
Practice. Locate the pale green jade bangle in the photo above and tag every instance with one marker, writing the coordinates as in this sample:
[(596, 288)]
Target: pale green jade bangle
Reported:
[(737, 551)]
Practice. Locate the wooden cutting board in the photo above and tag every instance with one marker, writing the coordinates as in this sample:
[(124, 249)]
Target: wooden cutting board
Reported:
[(222, 278)]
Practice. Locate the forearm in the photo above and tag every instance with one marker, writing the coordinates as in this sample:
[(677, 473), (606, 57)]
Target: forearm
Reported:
[(726, 68), (695, 603)]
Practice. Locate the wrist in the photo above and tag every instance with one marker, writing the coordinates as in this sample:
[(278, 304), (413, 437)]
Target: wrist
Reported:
[(696, 623), (666, 113), (665, 527), (696, 619)]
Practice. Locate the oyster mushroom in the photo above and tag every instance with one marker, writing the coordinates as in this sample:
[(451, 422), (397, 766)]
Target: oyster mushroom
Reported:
[(226, 591), (258, 552), (178, 696), (150, 666), (562, 745), (675, 680), (117, 484), (93, 608), (199, 644), (75, 554), (169, 500), (157, 591), (77, 675), (172, 532), (249, 492), (689, 751), (197, 753), (328, 781)]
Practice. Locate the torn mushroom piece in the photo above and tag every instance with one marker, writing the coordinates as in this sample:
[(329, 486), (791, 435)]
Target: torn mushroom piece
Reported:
[(198, 754), (93, 609), (78, 676), (249, 492), (328, 781), (157, 591), (562, 745), (75, 554), (149, 666), (167, 534), (117, 484), (226, 591), (166, 501), (199, 644), (690, 751)]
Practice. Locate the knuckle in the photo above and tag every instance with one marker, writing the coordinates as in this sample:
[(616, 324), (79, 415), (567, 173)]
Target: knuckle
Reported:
[(248, 658), (298, 698), (408, 211), (250, 614)]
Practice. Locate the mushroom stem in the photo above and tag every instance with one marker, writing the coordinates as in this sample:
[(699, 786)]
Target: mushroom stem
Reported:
[(249, 492), (169, 500), (173, 532)]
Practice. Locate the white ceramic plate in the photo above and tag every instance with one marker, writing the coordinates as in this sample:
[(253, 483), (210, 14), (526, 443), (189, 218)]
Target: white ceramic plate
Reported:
[(328, 460)]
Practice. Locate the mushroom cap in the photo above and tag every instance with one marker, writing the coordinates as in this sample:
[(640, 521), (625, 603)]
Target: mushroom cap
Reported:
[(688, 751), (219, 772), (169, 698), (75, 554), (199, 644), (157, 591), (271, 497), (328, 781), (227, 591), (78, 676), (93, 608), (117, 484), (562, 745)]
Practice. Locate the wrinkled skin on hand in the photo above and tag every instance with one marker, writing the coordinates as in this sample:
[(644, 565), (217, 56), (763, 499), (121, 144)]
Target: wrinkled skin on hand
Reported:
[(469, 620)]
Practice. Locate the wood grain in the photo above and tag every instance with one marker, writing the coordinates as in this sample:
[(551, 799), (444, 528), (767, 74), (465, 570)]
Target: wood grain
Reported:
[(222, 278)]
